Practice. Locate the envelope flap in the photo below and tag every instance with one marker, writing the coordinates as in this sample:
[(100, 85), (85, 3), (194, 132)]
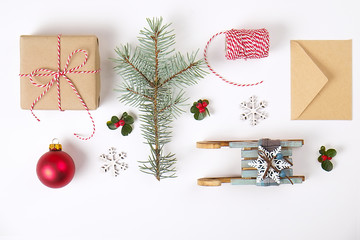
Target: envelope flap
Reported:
[(307, 80)]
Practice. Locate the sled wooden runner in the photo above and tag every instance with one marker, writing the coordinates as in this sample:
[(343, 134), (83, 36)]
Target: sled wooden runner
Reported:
[(249, 152)]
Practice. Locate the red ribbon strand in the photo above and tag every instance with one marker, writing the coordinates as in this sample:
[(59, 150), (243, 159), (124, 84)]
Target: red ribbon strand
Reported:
[(242, 44)]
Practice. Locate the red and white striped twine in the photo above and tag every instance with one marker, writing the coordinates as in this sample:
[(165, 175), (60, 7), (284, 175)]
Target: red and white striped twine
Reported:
[(56, 78), (242, 43)]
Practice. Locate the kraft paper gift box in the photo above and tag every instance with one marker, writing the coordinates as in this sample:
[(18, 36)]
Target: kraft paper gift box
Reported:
[(41, 52), (321, 79)]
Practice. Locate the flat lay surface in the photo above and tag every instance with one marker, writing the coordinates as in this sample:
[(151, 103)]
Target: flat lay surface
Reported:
[(101, 203)]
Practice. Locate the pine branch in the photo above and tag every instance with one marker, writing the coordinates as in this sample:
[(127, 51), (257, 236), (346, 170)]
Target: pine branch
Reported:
[(175, 104), (168, 107), (139, 94), (129, 65), (133, 95), (178, 73), (137, 70), (183, 72), (151, 77)]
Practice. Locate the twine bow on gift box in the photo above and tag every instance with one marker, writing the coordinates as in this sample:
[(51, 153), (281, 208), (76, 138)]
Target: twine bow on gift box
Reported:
[(43, 72)]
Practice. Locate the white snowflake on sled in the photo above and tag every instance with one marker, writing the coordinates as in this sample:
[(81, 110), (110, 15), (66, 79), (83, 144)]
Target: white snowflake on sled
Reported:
[(268, 165), (253, 110), (113, 161)]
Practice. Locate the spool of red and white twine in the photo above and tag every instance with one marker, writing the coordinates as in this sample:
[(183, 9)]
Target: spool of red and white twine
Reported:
[(56, 79), (242, 44)]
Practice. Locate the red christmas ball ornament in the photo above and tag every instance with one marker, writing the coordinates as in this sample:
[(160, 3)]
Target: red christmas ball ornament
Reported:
[(55, 168)]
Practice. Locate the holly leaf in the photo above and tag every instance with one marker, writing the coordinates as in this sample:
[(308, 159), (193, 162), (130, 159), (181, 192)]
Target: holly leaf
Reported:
[(327, 165), (128, 119), (124, 115), (114, 119), (194, 109), (126, 130), (322, 150), (196, 115), (331, 152), (201, 116), (320, 159), (111, 125)]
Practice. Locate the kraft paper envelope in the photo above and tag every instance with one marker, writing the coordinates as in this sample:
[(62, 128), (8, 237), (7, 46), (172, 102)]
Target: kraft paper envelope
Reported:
[(321, 79)]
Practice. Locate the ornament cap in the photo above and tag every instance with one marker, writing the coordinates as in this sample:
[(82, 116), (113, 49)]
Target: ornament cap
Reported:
[(55, 145)]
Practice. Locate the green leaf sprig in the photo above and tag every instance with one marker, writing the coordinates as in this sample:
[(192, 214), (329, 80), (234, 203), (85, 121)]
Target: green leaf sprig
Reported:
[(123, 122), (325, 157), (199, 109)]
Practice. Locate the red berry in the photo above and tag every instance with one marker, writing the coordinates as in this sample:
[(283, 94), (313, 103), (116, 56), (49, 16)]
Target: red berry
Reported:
[(324, 157), (121, 122), (199, 105), (204, 104), (202, 110), (329, 158)]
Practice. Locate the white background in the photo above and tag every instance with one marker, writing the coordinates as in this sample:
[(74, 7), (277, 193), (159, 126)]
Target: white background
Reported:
[(95, 205)]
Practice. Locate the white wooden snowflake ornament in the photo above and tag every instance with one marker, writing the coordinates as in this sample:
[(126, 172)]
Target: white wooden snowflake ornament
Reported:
[(253, 110), (268, 166), (113, 161)]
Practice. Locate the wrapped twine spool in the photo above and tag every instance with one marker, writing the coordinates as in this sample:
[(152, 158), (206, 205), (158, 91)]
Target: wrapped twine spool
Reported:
[(242, 44)]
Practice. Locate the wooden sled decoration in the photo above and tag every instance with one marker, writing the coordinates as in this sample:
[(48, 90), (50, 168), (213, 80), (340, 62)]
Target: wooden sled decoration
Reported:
[(250, 152)]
